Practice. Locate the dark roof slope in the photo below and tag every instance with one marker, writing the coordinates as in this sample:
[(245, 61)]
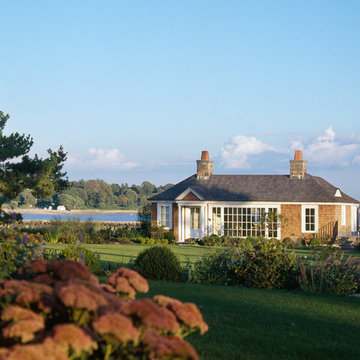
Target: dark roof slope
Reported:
[(279, 188)]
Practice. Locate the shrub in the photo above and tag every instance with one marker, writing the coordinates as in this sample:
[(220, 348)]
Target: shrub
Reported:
[(257, 263), (16, 250), (158, 263), (288, 243), (317, 242), (61, 311), (215, 268), (84, 256), (331, 275), (170, 237)]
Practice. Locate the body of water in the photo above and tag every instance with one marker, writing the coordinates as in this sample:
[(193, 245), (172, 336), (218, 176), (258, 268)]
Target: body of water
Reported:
[(95, 217)]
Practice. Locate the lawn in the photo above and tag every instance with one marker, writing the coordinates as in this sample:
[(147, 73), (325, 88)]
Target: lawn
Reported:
[(123, 254), (270, 324)]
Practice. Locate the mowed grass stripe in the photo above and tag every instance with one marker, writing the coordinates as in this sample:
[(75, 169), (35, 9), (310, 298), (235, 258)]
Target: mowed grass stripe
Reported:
[(270, 324), (123, 254)]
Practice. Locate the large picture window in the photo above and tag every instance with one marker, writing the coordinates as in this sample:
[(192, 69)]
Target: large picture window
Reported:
[(243, 222)]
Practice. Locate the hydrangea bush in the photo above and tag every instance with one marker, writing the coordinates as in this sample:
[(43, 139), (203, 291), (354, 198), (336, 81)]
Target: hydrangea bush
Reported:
[(60, 311)]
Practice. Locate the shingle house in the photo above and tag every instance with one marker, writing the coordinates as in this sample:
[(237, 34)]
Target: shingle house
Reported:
[(233, 205)]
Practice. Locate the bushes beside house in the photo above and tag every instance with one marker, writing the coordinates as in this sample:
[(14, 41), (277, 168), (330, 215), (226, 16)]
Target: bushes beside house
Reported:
[(260, 264)]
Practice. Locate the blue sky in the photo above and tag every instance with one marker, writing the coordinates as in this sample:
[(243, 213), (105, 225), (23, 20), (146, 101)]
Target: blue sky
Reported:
[(134, 90)]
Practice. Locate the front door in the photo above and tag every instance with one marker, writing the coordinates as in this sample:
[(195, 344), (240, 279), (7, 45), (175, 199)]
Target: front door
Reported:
[(192, 222)]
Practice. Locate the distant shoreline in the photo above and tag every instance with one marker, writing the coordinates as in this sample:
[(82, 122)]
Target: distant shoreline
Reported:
[(71, 212)]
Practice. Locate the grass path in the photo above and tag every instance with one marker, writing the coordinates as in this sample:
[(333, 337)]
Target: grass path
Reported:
[(270, 324)]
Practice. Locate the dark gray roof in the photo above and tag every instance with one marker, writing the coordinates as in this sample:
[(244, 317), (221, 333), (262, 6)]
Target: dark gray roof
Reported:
[(279, 188)]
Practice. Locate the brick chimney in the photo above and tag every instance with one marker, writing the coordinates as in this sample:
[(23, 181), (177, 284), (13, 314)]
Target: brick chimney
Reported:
[(205, 167), (298, 166)]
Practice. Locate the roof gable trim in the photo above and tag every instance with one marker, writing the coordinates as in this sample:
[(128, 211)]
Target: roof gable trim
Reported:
[(187, 192)]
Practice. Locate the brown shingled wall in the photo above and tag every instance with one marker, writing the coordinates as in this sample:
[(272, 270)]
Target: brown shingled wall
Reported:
[(293, 226), (327, 214)]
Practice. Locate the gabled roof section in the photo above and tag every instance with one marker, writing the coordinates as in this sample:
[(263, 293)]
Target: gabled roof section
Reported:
[(189, 194), (277, 188)]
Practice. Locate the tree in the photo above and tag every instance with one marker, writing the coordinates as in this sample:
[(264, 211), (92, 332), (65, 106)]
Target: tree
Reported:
[(42, 176)]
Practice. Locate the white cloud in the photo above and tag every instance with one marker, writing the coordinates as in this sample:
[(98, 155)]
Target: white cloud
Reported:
[(101, 159), (235, 153), (328, 150)]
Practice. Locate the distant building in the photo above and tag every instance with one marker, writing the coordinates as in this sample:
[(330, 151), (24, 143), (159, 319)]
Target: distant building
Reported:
[(235, 205), (61, 208)]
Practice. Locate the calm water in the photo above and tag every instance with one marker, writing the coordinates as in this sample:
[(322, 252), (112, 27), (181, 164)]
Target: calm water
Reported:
[(96, 217)]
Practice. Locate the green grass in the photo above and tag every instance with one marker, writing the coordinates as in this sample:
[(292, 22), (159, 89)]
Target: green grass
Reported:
[(270, 324), (256, 324), (123, 254)]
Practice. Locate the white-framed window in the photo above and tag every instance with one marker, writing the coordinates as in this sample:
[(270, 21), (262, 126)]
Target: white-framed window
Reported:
[(236, 221), (309, 218), (216, 220), (343, 214), (165, 215), (195, 218)]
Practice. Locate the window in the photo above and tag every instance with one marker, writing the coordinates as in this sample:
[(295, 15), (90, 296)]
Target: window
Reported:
[(165, 216), (243, 222), (216, 220), (272, 222), (309, 219), (195, 218), (343, 215)]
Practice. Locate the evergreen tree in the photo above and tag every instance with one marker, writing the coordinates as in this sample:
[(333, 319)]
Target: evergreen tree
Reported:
[(42, 176)]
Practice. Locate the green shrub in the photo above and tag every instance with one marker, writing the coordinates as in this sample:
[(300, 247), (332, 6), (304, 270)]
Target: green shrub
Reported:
[(83, 255), (158, 263), (288, 243), (215, 268), (170, 237), (317, 242), (257, 263), (15, 251)]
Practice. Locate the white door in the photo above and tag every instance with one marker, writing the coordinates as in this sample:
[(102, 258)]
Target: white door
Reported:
[(354, 210), (192, 222)]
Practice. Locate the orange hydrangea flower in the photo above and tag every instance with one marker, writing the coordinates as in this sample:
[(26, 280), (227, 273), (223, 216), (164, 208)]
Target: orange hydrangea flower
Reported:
[(25, 323), (150, 315), (80, 297), (70, 336), (47, 350), (116, 325), (187, 313), (172, 347)]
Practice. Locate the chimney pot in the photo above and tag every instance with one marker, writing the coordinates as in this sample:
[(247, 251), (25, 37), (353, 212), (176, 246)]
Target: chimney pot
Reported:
[(205, 155), (298, 155), (205, 166), (298, 166)]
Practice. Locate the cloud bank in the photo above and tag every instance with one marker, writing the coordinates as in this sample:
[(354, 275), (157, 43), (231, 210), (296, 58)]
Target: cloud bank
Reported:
[(236, 152), (326, 150), (101, 159)]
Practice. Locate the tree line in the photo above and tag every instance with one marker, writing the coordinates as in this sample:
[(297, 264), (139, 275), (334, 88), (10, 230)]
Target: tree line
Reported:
[(93, 194)]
